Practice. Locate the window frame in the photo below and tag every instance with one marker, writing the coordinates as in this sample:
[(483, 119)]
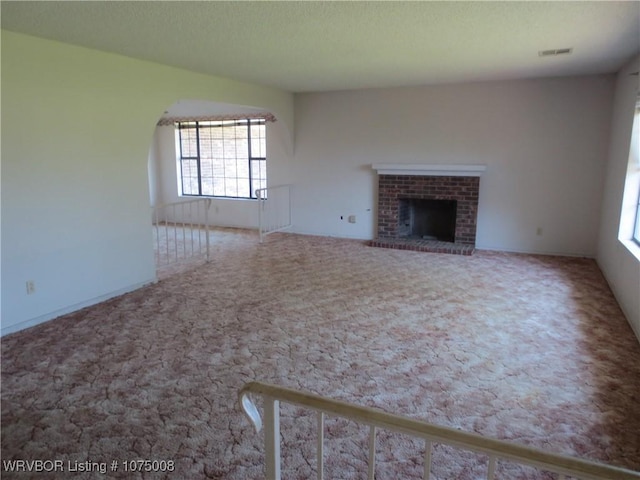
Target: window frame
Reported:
[(635, 234), (197, 125)]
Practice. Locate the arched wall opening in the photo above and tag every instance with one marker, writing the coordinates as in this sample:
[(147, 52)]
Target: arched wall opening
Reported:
[(78, 224), (163, 163)]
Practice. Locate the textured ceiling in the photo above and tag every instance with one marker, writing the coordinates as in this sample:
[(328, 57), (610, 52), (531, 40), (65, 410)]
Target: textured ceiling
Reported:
[(320, 46)]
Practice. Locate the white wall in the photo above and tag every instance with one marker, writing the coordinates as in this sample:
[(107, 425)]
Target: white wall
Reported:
[(620, 260), (544, 143), (77, 125)]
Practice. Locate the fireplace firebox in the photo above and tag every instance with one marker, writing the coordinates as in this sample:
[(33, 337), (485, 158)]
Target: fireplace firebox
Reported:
[(430, 208), (427, 219)]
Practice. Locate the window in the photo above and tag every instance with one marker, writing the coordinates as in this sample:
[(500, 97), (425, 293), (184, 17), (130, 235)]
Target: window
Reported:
[(635, 161), (222, 158), (629, 229), (636, 232)]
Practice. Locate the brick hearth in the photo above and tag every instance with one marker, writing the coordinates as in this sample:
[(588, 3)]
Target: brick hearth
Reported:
[(418, 245), (463, 189)]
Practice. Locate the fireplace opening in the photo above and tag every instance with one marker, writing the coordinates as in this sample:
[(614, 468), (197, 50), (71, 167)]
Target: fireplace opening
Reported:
[(427, 219)]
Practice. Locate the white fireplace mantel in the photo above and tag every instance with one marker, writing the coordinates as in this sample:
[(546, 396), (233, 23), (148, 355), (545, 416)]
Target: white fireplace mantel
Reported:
[(429, 170)]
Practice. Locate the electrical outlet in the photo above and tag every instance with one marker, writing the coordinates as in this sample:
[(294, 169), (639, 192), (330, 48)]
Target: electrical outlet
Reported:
[(352, 219), (31, 287)]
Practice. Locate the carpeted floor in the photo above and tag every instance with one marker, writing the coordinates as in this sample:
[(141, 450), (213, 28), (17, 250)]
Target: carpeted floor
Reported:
[(532, 349)]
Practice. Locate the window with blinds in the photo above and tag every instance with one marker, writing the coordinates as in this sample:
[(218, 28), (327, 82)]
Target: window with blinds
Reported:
[(222, 158)]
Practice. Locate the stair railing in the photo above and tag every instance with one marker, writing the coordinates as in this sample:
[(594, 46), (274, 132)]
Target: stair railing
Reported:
[(274, 209), (181, 231), (272, 395)]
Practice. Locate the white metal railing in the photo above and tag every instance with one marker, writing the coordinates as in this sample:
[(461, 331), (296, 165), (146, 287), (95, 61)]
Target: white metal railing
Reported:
[(274, 209), (561, 465), (181, 231)]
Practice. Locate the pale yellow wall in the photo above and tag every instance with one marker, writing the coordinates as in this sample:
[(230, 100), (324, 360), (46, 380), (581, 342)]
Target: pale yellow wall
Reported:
[(77, 125)]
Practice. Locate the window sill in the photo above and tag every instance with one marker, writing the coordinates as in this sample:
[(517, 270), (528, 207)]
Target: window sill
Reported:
[(241, 199), (633, 248)]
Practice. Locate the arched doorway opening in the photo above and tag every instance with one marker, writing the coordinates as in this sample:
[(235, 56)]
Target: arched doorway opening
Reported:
[(197, 147)]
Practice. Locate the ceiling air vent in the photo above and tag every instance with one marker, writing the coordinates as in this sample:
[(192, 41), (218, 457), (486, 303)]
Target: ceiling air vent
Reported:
[(555, 52)]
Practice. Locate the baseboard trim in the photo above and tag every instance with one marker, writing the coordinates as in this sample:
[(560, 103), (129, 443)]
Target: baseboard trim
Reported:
[(329, 235), (536, 252), (32, 322)]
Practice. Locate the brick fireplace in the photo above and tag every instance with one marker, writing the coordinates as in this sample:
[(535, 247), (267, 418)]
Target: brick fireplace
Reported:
[(431, 190)]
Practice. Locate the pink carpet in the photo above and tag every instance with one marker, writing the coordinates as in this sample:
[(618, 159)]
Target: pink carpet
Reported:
[(531, 349)]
